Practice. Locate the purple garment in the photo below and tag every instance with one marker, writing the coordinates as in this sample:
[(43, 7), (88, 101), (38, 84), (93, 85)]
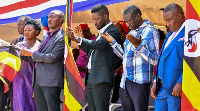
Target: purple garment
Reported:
[(82, 59), (22, 90), (50, 35)]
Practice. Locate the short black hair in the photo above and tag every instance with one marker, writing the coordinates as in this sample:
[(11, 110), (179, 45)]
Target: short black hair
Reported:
[(173, 7), (133, 9), (162, 34), (26, 18), (35, 24), (101, 9)]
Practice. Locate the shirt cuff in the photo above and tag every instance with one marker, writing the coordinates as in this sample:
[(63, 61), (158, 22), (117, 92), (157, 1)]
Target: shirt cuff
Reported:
[(80, 41), (139, 48), (113, 42)]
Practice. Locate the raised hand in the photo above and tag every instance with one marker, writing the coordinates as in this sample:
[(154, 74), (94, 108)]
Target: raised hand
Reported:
[(71, 35), (135, 41), (107, 37), (78, 31)]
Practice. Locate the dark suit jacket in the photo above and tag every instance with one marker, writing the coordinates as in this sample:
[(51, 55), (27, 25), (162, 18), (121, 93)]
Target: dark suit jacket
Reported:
[(50, 67), (17, 39), (102, 63)]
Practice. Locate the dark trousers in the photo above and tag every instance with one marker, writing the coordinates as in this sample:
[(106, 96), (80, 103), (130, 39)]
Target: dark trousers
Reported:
[(11, 95), (98, 96), (115, 95), (3, 97), (135, 97), (47, 98)]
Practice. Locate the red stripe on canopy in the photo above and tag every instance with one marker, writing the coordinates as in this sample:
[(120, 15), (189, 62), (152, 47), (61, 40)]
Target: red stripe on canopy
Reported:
[(20, 5)]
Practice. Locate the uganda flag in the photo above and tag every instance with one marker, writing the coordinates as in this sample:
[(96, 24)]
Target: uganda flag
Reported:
[(74, 89), (190, 100), (9, 64)]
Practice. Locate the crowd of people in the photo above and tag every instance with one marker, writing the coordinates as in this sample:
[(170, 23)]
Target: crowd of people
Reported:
[(125, 55)]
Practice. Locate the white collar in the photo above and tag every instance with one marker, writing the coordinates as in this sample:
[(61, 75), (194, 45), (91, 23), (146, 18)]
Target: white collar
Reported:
[(104, 28), (24, 38), (179, 29)]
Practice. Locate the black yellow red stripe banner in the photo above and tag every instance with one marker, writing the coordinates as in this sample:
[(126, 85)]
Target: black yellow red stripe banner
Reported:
[(190, 100), (74, 90), (9, 64)]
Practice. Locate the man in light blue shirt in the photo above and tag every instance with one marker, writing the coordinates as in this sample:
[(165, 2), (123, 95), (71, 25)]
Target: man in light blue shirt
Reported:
[(140, 53)]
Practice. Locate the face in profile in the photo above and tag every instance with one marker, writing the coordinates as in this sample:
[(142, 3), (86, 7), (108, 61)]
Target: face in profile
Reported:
[(30, 32), (20, 25), (99, 20), (130, 21), (54, 20), (172, 21)]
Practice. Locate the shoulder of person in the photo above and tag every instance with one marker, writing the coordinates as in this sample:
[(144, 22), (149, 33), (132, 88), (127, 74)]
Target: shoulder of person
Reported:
[(112, 28), (60, 34), (149, 29), (38, 40), (15, 40)]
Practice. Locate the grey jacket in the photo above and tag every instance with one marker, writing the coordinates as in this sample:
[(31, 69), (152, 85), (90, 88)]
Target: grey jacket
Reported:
[(50, 68)]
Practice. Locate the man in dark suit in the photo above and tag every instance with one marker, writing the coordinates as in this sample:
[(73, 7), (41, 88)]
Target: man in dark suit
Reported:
[(100, 60), (49, 75)]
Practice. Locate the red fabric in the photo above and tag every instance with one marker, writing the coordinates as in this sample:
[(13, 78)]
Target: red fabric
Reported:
[(185, 104), (20, 5), (84, 26), (124, 26), (65, 108), (8, 72), (45, 28), (121, 72), (191, 13)]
